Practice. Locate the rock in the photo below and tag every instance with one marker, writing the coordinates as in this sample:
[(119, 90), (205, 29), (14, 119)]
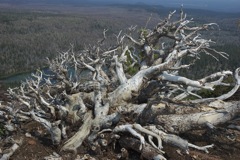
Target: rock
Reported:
[(31, 142), (55, 154), (28, 135)]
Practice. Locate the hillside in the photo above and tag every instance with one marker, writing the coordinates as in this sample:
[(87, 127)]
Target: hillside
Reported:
[(32, 33)]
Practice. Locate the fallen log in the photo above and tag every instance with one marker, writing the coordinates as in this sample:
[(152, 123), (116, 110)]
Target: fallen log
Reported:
[(181, 123)]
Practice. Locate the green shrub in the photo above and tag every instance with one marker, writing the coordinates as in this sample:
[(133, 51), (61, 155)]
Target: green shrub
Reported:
[(1, 130), (218, 91)]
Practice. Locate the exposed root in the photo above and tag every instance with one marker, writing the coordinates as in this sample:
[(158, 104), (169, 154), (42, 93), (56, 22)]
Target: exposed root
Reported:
[(232, 126), (147, 152), (10, 151), (54, 156), (74, 142), (51, 127), (177, 141), (203, 148), (129, 128), (147, 132)]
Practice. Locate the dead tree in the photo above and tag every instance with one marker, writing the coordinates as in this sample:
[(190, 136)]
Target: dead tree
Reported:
[(107, 91)]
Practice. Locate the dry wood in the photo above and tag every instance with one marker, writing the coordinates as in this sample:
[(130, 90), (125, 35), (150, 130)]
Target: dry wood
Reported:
[(129, 87)]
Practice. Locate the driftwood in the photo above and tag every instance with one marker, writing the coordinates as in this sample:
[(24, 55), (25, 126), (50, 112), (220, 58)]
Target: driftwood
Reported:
[(127, 92)]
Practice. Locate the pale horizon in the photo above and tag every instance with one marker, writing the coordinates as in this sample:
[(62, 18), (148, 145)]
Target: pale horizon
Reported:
[(214, 5)]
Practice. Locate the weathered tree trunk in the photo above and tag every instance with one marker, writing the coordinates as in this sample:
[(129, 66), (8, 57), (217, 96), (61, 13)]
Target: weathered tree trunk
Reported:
[(74, 142), (180, 123)]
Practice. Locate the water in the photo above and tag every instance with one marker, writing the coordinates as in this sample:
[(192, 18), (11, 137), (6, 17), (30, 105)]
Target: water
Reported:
[(18, 78)]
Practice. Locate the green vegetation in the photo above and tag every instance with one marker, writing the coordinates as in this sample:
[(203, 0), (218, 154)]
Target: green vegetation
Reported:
[(1, 130), (207, 64), (218, 91), (5, 86), (27, 38)]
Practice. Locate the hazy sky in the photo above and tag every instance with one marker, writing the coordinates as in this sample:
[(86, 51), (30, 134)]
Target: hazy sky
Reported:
[(219, 5), (223, 5)]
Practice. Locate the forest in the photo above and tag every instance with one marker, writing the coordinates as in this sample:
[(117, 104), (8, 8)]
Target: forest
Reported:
[(28, 36)]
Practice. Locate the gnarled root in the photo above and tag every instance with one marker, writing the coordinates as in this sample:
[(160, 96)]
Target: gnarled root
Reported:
[(176, 140), (10, 151), (147, 151), (52, 128), (232, 126), (74, 142), (131, 129)]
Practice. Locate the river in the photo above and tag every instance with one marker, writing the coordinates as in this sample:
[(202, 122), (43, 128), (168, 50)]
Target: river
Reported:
[(17, 78), (14, 80)]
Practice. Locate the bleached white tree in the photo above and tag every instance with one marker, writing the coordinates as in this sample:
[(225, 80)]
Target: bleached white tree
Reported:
[(128, 92)]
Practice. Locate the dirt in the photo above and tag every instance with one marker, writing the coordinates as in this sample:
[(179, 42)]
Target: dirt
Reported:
[(226, 141), (226, 145)]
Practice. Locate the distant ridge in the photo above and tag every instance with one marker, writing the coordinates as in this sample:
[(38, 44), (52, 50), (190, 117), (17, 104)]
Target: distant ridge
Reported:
[(210, 5), (44, 1)]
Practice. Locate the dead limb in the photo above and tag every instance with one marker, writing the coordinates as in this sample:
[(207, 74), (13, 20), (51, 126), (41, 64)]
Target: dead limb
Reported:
[(147, 152), (10, 151), (74, 142), (182, 123)]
